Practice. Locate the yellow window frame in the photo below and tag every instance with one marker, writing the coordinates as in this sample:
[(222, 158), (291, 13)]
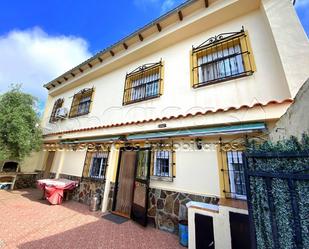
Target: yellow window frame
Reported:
[(87, 92), (141, 72), (218, 43), (166, 147), (224, 181)]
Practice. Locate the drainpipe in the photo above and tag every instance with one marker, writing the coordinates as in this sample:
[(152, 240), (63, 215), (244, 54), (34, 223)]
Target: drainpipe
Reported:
[(109, 175)]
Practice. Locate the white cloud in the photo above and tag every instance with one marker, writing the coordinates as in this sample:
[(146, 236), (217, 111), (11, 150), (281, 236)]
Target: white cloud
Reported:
[(32, 57), (168, 5), (162, 5)]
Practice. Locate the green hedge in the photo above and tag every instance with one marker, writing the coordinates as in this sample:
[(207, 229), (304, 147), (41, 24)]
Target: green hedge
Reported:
[(281, 195)]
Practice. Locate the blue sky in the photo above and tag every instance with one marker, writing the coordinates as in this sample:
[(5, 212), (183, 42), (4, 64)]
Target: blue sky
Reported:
[(39, 40), (100, 23)]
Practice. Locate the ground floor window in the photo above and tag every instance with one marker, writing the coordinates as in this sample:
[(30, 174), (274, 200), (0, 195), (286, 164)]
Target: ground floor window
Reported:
[(95, 164), (236, 174), (163, 164), (98, 165)]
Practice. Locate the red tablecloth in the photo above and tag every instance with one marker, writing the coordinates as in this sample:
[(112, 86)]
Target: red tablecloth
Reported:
[(53, 188)]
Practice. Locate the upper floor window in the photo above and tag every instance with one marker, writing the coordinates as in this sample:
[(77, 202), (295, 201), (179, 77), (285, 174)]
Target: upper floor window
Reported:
[(223, 57), (57, 105), (81, 103), (145, 82)]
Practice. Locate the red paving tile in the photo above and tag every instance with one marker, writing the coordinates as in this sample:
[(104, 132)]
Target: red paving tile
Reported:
[(27, 222)]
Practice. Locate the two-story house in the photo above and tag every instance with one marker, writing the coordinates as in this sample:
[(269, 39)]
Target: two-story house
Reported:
[(161, 118)]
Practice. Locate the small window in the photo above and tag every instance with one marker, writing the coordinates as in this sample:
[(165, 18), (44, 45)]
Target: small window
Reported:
[(95, 164), (98, 165), (163, 164), (81, 103), (223, 57), (143, 83), (236, 174), (58, 104)]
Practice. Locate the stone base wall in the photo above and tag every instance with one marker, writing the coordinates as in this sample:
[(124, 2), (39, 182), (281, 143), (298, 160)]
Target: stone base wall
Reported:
[(87, 187), (166, 208), (27, 180)]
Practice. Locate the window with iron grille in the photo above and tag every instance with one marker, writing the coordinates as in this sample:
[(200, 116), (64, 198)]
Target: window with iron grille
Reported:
[(224, 57), (58, 104), (81, 103), (236, 175), (163, 163), (95, 165), (98, 165), (143, 83)]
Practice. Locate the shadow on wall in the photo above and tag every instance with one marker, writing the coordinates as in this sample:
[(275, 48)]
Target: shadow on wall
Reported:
[(295, 121)]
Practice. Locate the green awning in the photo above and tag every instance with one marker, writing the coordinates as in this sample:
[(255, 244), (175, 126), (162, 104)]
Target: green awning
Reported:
[(93, 140), (200, 131)]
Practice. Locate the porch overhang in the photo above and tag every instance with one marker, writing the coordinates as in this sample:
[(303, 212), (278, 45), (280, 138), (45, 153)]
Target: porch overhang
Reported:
[(188, 132), (110, 139), (197, 132)]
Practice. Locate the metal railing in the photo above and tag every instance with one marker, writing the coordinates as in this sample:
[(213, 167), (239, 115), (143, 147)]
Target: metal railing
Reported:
[(221, 58)]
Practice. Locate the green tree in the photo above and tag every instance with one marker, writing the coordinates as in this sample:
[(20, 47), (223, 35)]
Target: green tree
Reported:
[(20, 133)]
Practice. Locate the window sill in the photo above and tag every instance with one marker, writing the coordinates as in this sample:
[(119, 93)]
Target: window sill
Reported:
[(79, 115), (162, 178), (212, 82), (233, 203), (140, 100), (92, 179)]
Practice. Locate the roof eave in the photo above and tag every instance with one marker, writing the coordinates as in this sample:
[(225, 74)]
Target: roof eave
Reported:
[(57, 81)]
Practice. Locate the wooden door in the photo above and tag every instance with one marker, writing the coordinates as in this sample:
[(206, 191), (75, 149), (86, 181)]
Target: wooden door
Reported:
[(49, 163), (204, 232), (240, 232), (125, 182), (141, 187)]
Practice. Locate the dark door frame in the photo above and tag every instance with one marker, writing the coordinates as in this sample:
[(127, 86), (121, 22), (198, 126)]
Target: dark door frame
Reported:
[(146, 182)]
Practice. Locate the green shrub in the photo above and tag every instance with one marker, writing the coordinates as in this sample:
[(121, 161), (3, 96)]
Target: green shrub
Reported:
[(283, 214)]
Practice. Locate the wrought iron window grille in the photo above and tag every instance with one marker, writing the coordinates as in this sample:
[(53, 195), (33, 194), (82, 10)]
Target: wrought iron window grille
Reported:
[(81, 103), (234, 176), (143, 83), (220, 58), (98, 165), (58, 104)]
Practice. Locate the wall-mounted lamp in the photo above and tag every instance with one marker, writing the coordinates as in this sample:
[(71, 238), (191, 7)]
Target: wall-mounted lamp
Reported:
[(198, 143)]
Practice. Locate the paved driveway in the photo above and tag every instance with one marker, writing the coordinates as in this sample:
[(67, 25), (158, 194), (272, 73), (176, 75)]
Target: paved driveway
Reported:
[(27, 222)]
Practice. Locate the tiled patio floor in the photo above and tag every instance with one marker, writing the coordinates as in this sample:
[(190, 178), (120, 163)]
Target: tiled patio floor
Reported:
[(27, 222)]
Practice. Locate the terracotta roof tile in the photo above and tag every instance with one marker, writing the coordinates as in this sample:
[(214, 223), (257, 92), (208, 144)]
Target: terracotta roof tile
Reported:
[(199, 113)]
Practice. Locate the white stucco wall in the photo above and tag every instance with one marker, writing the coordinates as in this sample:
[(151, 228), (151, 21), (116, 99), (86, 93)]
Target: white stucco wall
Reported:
[(221, 225), (196, 172), (32, 162), (179, 97), (73, 163), (295, 121), (290, 39)]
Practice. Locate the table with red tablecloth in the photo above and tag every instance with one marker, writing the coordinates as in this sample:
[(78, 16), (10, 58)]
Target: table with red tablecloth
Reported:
[(54, 188)]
